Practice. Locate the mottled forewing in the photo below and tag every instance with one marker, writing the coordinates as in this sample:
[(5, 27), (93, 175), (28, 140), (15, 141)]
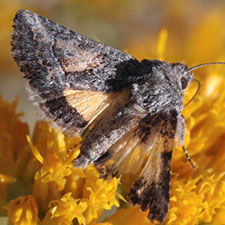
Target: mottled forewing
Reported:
[(57, 62)]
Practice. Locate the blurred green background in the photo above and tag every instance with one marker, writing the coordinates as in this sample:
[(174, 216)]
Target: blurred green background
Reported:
[(196, 32)]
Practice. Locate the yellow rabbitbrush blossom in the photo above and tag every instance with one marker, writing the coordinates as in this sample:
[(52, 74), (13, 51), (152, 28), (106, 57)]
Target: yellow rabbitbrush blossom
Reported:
[(197, 199), (64, 210), (39, 185), (14, 155), (101, 194), (23, 211), (44, 186)]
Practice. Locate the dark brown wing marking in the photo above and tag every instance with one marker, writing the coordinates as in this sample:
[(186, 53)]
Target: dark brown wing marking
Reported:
[(59, 112), (56, 61), (145, 152)]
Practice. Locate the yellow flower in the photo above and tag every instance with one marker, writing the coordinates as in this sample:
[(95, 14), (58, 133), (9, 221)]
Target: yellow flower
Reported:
[(197, 199), (100, 194), (50, 178), (23, 211), (64, 211), (14, 155), (43, 168), (57, 175), (38, 183)]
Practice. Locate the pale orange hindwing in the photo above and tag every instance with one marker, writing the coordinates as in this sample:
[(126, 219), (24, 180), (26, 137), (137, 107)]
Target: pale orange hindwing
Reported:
[(90, 104)]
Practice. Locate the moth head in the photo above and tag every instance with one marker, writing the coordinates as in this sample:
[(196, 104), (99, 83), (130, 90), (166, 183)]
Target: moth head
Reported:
[(168, 73), (183, 76)]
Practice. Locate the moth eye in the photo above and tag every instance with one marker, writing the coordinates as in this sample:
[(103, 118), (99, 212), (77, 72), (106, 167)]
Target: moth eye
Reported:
[(184, 82)]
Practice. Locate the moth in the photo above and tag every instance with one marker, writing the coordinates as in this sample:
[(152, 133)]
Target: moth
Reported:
[(128, 112)]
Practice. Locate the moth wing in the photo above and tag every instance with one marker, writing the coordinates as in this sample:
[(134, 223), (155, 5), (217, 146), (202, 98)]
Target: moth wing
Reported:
[(64, 67), (146, 154)]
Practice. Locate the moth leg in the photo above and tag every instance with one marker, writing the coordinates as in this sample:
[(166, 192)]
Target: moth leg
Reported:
[(180, 132)]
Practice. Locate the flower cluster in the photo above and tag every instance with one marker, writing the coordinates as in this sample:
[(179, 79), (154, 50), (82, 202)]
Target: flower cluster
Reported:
[(40, 180), (39, 185)]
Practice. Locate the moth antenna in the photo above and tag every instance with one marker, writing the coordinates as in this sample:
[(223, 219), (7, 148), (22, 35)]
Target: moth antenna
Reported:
[(196, 93), (204, 64), (188, 157)]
